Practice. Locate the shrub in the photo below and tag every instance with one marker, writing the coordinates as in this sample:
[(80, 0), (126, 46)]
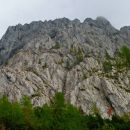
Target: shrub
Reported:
[(107, 64), (78, 53), (56, 46), (121, 60), (58, 115), (124, 55), (28, 112), (65, 116), (11, 115)]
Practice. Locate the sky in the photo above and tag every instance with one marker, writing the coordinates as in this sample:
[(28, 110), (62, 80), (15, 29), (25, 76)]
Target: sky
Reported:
[(13, 12)]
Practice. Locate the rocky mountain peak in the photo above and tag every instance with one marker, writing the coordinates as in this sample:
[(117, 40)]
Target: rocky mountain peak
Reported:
[(102, 21), (41, 58)]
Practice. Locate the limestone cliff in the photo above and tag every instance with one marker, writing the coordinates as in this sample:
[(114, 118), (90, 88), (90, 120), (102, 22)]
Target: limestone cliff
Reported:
[(41, 58)]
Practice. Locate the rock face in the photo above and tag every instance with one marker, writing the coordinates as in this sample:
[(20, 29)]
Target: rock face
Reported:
[(41, 58)]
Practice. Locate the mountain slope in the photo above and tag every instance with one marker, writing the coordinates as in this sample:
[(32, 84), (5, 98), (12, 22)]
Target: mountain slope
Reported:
[(41, 58)]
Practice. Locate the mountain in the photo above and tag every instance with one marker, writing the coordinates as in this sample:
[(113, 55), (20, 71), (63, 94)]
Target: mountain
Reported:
[(41, 58)]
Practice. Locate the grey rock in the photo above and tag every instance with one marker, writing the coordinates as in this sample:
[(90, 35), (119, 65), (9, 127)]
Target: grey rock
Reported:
[(42, 58)]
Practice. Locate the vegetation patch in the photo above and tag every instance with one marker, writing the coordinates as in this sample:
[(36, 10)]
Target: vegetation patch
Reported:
[(58, 115), (56, 46), (120, 62), (77, 53)]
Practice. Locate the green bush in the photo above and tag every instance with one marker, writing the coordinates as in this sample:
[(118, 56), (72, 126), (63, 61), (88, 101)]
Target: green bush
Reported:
[(107, 66), (11, 115), (77, 53), (58, 115), (65, 116), (124, 55), (120, 61), (56, 46)]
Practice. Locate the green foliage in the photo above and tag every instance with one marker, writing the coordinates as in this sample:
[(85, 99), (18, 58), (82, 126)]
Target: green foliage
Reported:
[(78, 53), (124, 55), (44, 117), (120, 61), (122, 58), (93, 122), (56, 46), (11, 115), (65, 116), (58, 115), (28, 112), (107, 127), (108, 57), (68, 65), (107, 66)]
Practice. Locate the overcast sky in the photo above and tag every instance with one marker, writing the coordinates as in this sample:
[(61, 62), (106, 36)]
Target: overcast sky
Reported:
[(13, 12)]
